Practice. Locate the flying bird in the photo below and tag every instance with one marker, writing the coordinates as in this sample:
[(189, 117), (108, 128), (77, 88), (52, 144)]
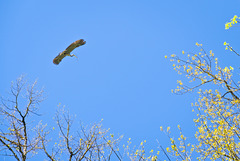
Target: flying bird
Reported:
[(68, 50)]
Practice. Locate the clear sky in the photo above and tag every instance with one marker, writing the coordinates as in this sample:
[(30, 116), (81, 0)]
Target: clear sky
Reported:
[(120, 75)]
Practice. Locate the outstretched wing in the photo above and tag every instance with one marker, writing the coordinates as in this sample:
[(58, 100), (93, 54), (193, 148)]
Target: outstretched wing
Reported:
[(68, 50)]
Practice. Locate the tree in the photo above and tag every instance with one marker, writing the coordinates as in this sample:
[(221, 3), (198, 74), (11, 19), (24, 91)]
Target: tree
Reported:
[(92, 143), (21, 138), (218, 107), (16, 135)]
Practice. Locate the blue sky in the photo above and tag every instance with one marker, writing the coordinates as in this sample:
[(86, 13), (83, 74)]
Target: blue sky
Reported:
[(120, 75)]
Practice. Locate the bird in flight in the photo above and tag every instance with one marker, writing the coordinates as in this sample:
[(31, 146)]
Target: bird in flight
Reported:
[(68, 50)]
